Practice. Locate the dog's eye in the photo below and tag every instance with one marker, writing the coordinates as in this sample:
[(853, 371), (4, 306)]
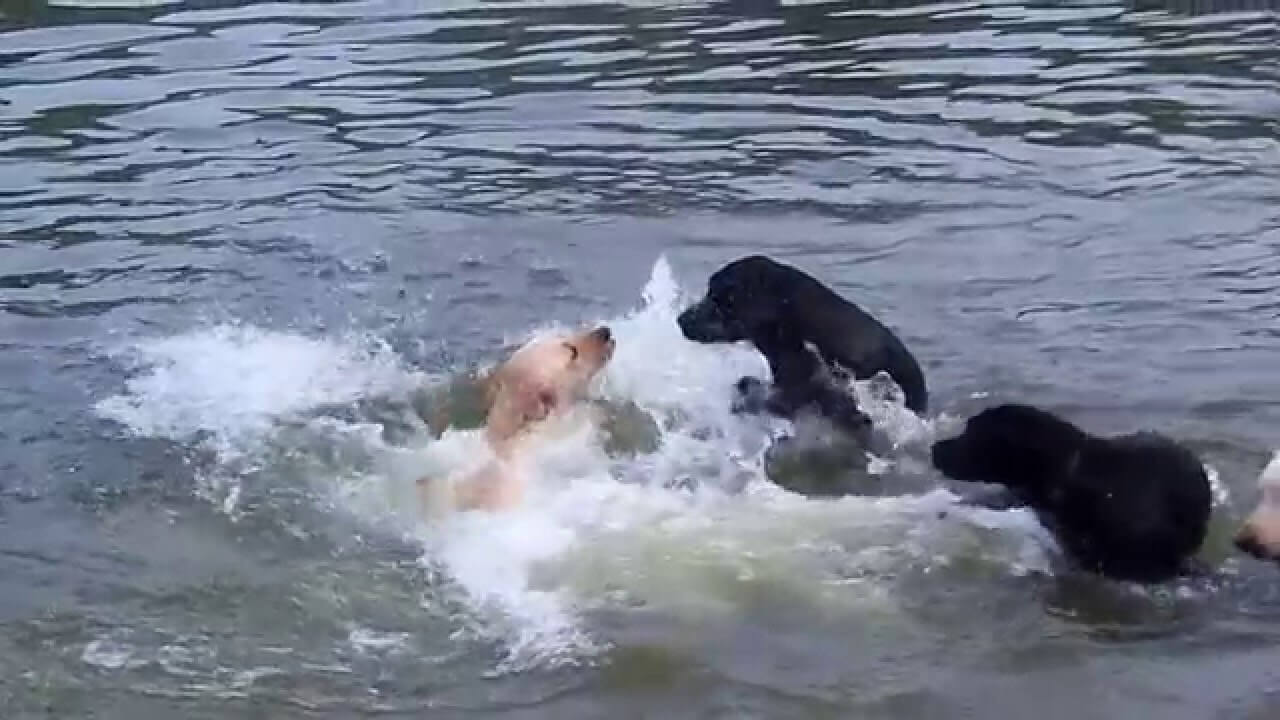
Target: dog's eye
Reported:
[(573, 351)]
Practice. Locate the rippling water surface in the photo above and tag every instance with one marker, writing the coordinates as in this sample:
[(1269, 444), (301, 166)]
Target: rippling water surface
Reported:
[(237, 240)]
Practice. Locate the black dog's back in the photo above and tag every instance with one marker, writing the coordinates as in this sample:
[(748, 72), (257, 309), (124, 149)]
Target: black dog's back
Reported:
[(1136, 508), (1133, 507), (850, 337)]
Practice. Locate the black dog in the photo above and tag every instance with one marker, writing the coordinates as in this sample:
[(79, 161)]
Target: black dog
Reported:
[(808, 333), (1131, 507)]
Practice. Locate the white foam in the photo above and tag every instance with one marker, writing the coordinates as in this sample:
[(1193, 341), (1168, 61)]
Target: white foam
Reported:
[(234, 381), (685, 528), (1219, 493), (109, 654), (367, 640)]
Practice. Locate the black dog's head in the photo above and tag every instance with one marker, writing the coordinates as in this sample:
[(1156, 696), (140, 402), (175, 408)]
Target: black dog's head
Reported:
[(745, 300), (1015, 445)]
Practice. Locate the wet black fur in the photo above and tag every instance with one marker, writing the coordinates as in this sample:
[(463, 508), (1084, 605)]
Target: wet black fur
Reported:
[(810, 336), (1130, 507)]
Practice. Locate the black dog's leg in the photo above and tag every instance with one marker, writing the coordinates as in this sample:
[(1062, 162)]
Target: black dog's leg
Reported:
[(754, 396), (785, 403)]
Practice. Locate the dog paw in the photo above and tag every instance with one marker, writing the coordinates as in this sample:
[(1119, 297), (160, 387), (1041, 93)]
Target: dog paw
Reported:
[(752, 395)]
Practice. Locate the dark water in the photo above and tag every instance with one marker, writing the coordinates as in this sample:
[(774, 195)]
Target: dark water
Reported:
[(1074, 204)]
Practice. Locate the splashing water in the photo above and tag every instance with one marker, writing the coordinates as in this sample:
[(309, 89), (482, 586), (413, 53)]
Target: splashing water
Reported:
[(683, 528), (233, 383)]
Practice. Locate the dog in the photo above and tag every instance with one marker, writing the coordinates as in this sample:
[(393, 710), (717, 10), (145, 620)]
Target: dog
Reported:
[(811, 337), (1259, 536), (543, 379), (1131, 507)]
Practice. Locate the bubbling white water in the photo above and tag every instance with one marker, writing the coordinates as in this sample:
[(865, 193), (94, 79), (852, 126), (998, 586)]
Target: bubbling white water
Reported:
[(686, 528)]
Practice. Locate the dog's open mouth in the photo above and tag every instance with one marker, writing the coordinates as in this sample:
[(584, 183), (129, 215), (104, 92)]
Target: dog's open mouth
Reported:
[(604, 344)]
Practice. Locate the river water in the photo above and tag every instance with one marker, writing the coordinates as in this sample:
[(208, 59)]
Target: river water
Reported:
[(237, 240)]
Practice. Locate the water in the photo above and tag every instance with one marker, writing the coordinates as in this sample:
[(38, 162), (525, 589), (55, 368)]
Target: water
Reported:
[(237, 240)]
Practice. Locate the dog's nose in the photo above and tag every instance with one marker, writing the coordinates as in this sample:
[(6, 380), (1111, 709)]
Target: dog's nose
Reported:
[(603, 333), (685, 319), (1246, 542), (937, 453)]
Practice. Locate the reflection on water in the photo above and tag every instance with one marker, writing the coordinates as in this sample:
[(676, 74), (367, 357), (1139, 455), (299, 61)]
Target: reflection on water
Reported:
[(849, 110), (1068, 203)]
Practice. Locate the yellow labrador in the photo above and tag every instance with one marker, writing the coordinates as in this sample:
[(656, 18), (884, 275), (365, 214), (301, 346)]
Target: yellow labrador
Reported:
[(1260, 534), (542, 379)]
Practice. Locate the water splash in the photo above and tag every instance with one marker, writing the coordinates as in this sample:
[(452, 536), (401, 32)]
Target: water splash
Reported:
[(233, 383), (689, 526)]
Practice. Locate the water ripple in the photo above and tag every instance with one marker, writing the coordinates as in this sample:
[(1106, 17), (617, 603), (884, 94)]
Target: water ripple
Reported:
[(625, 107)]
